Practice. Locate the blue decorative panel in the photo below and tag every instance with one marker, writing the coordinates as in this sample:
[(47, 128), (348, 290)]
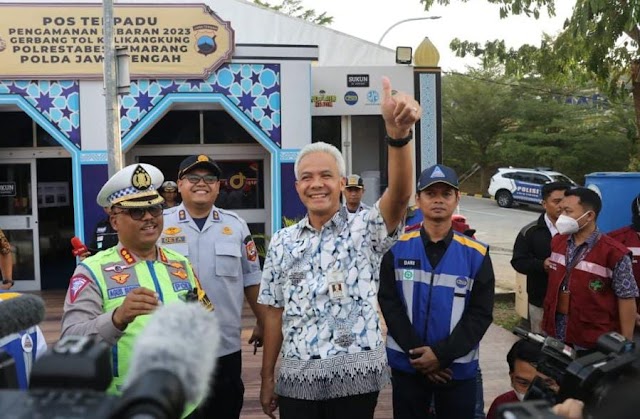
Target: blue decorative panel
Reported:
[(58, 101), (253, 88), (428, 121)]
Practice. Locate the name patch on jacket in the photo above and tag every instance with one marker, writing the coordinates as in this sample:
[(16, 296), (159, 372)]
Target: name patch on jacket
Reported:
[(409, 263), (120, 291), (181, 286), (173, 240)]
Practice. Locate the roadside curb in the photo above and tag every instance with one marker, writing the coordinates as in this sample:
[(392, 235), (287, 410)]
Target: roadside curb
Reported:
[(476, 195)]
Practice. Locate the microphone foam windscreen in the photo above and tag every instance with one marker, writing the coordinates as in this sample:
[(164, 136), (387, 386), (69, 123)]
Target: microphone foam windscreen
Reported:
[(19, 312), (181, 338)]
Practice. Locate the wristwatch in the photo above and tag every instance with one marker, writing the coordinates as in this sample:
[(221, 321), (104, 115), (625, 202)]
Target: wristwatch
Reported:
[(398, 142)]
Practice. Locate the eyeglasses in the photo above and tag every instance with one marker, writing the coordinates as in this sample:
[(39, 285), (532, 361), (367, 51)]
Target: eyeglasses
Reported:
[(208, 179), (138, 213)]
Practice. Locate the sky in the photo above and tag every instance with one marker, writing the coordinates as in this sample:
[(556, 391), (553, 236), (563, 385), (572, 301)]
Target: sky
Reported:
[(476, 21)]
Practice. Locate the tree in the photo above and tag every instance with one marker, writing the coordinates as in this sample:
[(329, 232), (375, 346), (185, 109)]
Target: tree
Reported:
[(601, 41), (296, 9), (498, 121), (474, 114)]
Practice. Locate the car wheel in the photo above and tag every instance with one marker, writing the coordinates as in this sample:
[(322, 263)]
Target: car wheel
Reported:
[(504, 198)]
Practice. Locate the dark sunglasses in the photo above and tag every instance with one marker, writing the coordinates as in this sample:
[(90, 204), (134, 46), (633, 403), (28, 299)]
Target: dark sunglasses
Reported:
[(138, 213), (208, 179)]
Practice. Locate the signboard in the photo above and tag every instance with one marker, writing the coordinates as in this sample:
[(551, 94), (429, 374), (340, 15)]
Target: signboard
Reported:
[(355, 90), (47, 41), (7, 189), (357, 80)]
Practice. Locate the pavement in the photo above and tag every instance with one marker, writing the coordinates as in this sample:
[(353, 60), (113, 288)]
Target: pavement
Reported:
[(493, 350)]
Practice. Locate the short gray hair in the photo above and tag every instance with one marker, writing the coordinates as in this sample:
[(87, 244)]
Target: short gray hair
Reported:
[(321, 147)]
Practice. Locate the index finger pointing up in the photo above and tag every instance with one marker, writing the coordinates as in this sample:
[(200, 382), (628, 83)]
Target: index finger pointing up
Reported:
[(386, 88)]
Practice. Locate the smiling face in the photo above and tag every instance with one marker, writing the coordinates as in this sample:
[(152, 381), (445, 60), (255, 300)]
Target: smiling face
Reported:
[(319, 185), (199, 195), (139, 236), (438, 201)]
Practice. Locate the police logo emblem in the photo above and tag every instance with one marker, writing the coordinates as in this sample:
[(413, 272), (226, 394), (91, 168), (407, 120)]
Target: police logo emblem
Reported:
[(27, 343), (407, 275), (227, 230), (202, 157), (205, 39), (140, 179)]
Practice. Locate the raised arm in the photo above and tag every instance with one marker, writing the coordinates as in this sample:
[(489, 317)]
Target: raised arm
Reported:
[(400, 113)]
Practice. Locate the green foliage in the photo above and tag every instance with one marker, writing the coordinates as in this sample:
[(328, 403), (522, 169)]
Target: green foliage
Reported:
[(497, 121), (600, 42), (296, 9)]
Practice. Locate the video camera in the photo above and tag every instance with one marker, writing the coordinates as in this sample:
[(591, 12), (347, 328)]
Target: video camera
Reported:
[(70, 381), (588, 378)]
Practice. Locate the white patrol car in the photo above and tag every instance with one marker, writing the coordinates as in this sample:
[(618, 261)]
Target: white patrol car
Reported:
[(524, 186)]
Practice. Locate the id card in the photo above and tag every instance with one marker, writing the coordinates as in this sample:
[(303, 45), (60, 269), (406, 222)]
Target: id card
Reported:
[(337, 287)]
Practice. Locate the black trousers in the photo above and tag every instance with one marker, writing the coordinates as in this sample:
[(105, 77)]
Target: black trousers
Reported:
[(361, 406), (413, 394), (227, 393)]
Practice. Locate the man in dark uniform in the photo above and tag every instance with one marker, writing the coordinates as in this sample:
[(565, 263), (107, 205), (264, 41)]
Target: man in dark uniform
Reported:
[(104, 236), (533, 246)]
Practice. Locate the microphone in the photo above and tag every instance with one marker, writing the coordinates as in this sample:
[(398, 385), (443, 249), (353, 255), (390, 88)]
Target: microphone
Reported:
[(79, 248), (19, 312), (172, 362)]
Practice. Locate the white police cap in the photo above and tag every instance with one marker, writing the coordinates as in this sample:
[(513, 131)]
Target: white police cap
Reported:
[(133, 186)]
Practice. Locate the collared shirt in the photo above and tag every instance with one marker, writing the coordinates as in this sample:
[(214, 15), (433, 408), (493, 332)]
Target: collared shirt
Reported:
[(224, 258), (352, 215), (552, 228), (333, 345), (622, 280)]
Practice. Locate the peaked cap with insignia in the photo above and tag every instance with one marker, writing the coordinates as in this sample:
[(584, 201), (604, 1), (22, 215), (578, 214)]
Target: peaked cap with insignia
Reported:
[(438, 174), (133, 186)]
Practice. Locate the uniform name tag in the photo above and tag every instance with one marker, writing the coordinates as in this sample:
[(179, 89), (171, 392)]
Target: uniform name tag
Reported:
[(337, 286), (409, 263), (174, 240), (120, 291)]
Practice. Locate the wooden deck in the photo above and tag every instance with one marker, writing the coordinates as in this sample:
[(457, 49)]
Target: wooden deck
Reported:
[(494, 347)]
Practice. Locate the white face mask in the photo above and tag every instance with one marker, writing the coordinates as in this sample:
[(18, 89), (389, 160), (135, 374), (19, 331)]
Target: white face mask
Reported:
[(519, 395), (568, 225)]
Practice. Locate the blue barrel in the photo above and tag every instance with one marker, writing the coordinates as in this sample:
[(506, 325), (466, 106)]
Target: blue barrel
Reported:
[(617, 190)]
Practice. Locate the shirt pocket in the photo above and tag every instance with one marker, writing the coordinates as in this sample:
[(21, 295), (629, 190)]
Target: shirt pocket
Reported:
[(228, 259)]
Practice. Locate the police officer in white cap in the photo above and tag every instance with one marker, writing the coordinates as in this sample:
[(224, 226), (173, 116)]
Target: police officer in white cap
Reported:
[(219, 245), (110, 293), (169, 191)]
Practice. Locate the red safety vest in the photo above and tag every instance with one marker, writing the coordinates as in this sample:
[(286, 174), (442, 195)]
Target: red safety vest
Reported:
[(630, 238), (593, 308)]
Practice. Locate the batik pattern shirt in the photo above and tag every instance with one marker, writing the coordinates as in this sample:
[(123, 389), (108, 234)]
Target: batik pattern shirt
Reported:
[(327, 283)]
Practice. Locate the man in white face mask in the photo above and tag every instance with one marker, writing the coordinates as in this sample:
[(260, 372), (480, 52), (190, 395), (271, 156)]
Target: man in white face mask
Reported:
[(591, 289), (522, 359)]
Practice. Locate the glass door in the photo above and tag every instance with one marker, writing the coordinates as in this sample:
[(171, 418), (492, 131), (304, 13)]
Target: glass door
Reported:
[(19, 221)]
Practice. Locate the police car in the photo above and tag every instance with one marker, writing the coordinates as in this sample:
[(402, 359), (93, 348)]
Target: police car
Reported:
[(523, 186)]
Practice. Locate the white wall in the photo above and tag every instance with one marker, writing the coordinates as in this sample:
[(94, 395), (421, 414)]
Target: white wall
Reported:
[(93, 116)]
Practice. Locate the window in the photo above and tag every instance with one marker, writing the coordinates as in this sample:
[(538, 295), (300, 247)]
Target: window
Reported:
[(17, 129), (176, 127), (220, 128), (327, 129)]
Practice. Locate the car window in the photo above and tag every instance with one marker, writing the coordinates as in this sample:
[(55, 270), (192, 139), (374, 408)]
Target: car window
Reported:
[(562, 178), (508, 175), (524, 177), (539, 179)]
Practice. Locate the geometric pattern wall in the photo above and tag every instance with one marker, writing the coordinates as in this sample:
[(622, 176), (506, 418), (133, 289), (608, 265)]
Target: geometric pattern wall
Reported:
[(253, 88), (58, 101)]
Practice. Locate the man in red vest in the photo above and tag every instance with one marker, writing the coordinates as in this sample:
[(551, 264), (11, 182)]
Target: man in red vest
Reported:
[(591, 288), (630, 237)]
